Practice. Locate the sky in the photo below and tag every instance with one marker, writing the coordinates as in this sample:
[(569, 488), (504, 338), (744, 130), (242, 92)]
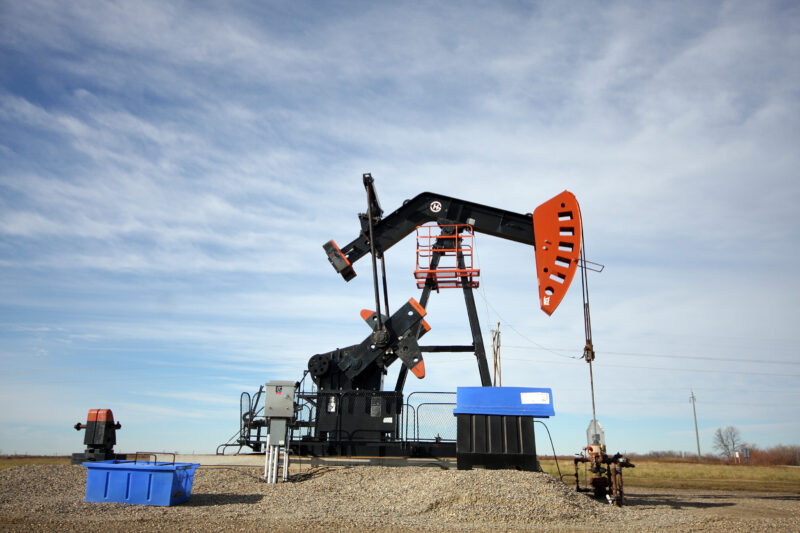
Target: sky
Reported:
[(169, 172)]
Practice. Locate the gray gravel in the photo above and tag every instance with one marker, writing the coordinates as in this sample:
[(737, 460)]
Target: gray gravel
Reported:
[(50, 498)]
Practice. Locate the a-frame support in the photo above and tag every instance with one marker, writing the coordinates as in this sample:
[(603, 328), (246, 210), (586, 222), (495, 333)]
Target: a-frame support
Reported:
[(474, 324)]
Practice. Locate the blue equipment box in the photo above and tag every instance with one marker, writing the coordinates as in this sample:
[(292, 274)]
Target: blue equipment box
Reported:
[(509, 401), (139, 482)]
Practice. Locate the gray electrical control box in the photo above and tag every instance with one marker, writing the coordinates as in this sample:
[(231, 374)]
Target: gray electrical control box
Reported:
[(279, 399)]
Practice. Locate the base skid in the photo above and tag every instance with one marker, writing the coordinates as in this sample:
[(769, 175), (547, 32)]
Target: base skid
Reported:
[(465, 461), (435, 450), (79, 458)]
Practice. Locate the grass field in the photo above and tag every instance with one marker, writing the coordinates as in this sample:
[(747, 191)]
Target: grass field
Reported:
[(654, 474), (658, 474)]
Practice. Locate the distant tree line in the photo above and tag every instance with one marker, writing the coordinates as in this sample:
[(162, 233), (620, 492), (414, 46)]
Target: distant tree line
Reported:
[(727, 442), (676, 456), (775, 455)]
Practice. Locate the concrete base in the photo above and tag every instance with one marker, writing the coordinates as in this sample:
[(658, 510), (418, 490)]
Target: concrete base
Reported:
[(258, 460), (255, 459)]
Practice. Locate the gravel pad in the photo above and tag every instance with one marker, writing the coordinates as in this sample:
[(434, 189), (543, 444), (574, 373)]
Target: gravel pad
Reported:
[(363, 498)]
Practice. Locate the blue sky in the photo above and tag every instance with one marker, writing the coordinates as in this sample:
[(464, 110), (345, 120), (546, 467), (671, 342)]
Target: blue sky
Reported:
[(170, 172)]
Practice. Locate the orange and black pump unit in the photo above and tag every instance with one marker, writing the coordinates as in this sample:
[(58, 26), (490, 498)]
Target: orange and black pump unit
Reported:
[(100, 437), (554, 230), (354, 414)]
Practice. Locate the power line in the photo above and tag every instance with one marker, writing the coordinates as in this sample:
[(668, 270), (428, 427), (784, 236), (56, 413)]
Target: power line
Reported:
[(672, 389), (667, 356), (555, 351), (482, 293), (453, 359), (515, 330), (618, 401), (689, 370)]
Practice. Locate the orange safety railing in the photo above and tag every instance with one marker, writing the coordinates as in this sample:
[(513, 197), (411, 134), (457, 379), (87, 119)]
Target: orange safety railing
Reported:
[(450, 241)]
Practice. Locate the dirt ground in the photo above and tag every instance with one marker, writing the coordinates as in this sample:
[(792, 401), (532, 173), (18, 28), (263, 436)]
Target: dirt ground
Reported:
[(718, 506)]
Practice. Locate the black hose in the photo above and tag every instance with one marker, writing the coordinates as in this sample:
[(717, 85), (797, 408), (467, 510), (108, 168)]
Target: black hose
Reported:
[(551, 446)]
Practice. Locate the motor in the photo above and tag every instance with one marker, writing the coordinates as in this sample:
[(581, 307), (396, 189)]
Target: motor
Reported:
[(100, 437)]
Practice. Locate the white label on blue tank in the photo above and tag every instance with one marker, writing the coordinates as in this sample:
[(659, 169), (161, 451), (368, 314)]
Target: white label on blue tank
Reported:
[(534, 398)]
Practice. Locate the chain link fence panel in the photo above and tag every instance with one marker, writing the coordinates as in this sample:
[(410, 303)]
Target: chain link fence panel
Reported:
[(428, 416)]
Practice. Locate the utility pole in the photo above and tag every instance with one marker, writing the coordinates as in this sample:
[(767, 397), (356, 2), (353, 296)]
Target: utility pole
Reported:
[(497, 377), (696, 432)]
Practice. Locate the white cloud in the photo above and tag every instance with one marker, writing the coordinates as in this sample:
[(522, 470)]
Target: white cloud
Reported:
[(171, 171)]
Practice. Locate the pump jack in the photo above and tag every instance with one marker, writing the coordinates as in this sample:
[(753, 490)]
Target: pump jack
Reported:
[(350, 413), (353, 414)]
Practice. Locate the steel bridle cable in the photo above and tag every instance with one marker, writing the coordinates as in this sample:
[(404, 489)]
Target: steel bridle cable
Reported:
[(588, 352)]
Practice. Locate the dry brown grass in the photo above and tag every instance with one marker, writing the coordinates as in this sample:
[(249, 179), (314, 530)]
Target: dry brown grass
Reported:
[(8, 461), (671, 474)]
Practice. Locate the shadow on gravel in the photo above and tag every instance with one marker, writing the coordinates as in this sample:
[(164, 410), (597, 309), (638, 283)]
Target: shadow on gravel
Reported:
[(205, 500), (749, 496), (309, 474), (784, 497), (672, 501)]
